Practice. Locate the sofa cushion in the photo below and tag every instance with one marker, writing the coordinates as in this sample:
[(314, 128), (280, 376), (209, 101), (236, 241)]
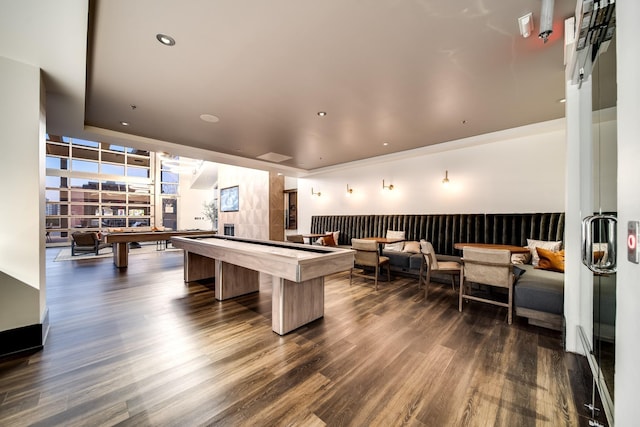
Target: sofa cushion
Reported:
[(391, 234), (412, 246), (533, 244), (549, 260), (398, 259), (541, 290), (415, 262)]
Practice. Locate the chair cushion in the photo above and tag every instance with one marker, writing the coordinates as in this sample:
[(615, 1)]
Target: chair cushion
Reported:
[(448, 265)]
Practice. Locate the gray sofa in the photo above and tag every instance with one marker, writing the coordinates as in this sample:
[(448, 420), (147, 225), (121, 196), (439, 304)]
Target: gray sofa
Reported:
[(538, 294)]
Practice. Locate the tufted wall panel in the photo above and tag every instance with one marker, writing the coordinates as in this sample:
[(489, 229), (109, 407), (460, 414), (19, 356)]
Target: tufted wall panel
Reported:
[(445, 230)]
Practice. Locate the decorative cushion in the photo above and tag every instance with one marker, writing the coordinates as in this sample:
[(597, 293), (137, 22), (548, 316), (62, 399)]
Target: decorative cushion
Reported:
[(391, 234), (336, 235), (328, 240), (413, 247), (550, 260), (533, 244), (521, 258)]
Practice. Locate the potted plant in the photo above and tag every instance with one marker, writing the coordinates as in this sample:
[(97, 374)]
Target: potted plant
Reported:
[(211, 212)]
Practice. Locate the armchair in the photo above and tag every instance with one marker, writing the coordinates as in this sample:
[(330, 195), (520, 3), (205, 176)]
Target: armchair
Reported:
[(487, 267), (367, 255), (85, 242), (432, 265)]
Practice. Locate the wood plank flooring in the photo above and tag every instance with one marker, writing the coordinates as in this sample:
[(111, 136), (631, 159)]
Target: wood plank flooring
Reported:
[(138, 347)]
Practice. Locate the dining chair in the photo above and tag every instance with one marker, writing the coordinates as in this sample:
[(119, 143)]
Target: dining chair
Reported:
[(431, 265), (367, 255), (490, 267)]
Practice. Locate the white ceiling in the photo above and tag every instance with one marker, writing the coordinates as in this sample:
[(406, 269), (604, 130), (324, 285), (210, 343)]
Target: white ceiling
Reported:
[(410, 73)]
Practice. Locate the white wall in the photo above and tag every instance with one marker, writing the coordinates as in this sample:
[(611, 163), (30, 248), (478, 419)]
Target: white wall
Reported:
[(252, 220), (191, 205), (627, 376), (22, 263), (516, 171)]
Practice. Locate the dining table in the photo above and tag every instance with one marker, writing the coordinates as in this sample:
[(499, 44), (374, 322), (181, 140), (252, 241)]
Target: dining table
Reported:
[(512, 248), (312, 236), (381, 241)]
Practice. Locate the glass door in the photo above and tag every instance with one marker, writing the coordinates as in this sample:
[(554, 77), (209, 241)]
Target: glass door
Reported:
[(604, 91)]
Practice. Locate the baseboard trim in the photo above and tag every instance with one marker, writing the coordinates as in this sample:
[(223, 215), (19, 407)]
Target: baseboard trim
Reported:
[(27, 339)]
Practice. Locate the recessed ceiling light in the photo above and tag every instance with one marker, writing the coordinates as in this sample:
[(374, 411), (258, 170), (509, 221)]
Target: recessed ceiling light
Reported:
[(562, 101), (165, 39), (209, 118), (124, 123), (322, 113), (385, 143)]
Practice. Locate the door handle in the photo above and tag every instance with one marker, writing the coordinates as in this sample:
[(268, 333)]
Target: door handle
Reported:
[(601, 256)]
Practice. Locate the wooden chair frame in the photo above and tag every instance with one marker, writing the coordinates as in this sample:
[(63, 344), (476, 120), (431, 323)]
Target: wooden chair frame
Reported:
[(367, 255), (487, 272)]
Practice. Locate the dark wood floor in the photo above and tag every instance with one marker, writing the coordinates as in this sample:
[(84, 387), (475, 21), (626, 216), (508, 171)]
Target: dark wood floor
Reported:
[(138, 347)]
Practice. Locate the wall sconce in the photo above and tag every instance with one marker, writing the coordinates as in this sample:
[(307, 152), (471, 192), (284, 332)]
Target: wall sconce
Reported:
[(525, 23), (349, 190), (387, 187), (313, 193), (445, 181)]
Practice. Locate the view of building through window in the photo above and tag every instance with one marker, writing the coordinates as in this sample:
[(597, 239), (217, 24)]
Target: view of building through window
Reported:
[(97, 186)]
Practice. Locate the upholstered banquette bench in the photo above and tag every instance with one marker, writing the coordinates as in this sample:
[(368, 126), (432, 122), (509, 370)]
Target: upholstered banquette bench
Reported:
[(538, 294)]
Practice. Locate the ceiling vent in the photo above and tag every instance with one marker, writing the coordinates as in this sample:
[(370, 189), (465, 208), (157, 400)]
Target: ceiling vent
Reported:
[(274, 157)]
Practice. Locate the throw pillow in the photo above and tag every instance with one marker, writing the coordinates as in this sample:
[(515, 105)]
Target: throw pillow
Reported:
[(328, 240), (413, 247), (336, 235), (391, 234), (521, 258), (550, 260), (533, 244)]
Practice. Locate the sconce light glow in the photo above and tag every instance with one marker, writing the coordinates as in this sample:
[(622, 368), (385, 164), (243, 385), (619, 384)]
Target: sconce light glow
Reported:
[(349, 191), (387, 187)]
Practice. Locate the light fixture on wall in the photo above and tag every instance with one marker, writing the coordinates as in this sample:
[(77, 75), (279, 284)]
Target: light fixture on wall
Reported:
[(525, 23), (349, 190), (546, 20), (387, 187), (313, 193), (445, 181)]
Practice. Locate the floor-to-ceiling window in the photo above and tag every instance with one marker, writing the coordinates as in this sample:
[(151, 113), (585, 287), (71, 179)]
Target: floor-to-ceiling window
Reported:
[(95, 186), (169, 184)]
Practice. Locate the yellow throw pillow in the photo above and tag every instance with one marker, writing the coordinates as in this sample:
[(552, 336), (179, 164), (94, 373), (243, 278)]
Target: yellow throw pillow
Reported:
[(550, 260)]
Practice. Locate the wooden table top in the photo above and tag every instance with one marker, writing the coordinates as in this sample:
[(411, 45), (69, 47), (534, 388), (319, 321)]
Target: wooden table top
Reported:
[(514, 249), (384, 240), (149, 236)]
